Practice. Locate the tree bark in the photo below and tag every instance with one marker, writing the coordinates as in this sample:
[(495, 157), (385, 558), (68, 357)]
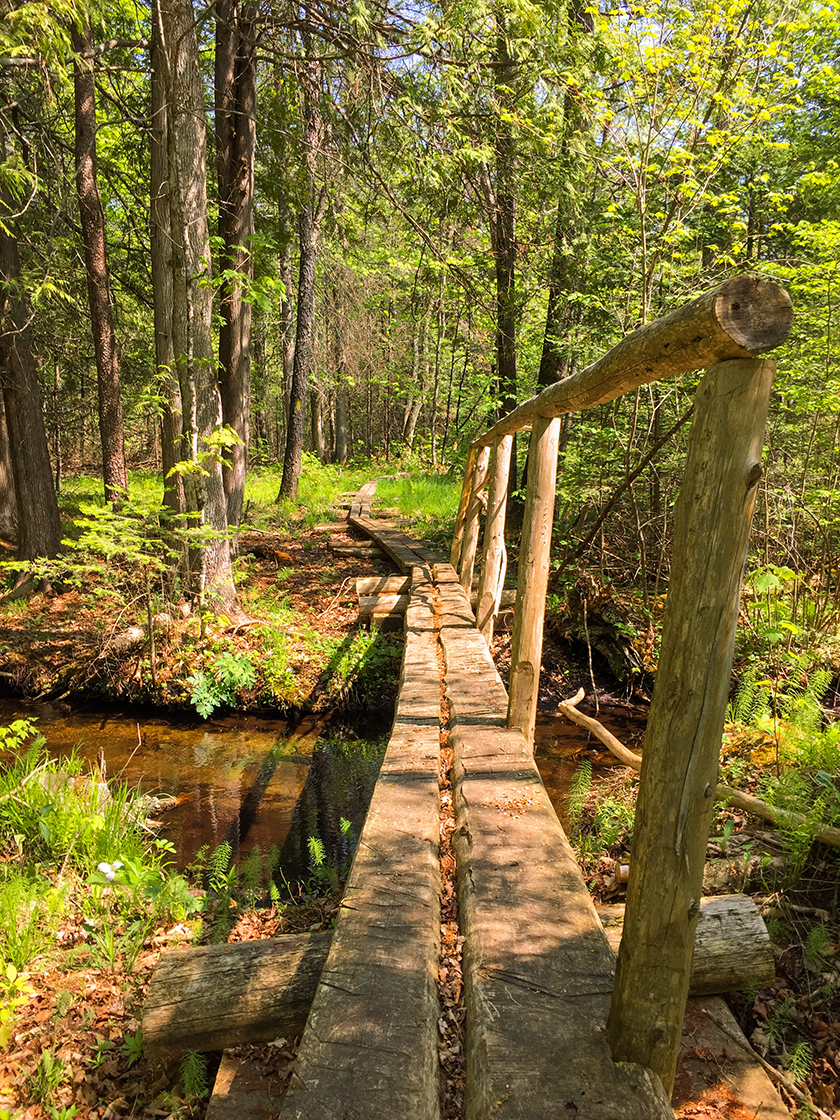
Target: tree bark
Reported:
[(208, 575), (235, 119), (114, 473), (39, 523), (309, 225), (162, 268), (8, 505)]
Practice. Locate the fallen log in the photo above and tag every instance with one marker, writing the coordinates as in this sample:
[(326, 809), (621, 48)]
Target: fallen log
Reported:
[(824, 833), (217, 996), (359, 551), (732, 948), (382, 585)]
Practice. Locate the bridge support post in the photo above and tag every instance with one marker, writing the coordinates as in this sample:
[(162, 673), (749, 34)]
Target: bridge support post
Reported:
[(473, 519), (466, 490), (534, 552), (682, 744), (495, 557)]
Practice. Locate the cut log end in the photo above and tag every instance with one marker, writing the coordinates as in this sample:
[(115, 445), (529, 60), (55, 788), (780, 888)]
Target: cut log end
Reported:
[(755, 313)]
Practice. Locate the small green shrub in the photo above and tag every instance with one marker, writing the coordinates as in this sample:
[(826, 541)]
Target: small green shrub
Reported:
[(194, 1075), (218, 684)]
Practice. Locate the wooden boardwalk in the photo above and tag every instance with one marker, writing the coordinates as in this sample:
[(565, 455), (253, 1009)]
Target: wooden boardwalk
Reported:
[(537, 967)]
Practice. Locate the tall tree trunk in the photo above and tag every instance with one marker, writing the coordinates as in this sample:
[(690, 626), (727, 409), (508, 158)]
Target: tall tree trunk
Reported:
[(209, 574), (309, 224), (316, 407), (8, 505), (564, 278), (235, 117), (92, 218), (39, 524), (160, 230)]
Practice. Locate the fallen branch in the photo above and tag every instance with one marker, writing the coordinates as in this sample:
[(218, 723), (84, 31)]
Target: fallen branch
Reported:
[(824, 833), (775, 1074)]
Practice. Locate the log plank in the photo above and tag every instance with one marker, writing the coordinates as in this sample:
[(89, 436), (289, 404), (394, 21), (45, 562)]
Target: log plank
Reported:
[(215, 996), (370, 1044), (732, 948), (537, 967), (740, 318), (682, 741)]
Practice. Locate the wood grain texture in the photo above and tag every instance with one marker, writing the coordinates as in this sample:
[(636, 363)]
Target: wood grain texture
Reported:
[(682, 744), (461, 517), (494, 554), (537, 968), (215, 996), (534, 555), (732, 948), (369, 1050), (472, 523), (740, 318)]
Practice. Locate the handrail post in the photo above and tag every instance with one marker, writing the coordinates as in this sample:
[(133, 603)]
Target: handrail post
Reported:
[(466, 489), (532, 582), (472, 521), (494, 554), (682, 743)]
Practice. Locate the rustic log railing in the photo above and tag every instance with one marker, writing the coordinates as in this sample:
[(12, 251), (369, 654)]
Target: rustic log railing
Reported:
[(722, 332)]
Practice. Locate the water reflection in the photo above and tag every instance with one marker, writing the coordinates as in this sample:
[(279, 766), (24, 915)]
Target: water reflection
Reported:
[(244, 781)]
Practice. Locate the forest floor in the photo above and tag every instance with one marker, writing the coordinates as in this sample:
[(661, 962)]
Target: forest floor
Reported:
[(302, 639), (307, 652)]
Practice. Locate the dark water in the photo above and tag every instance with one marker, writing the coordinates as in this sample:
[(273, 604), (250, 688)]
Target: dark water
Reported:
[(560, 746), (246, 781), (250, 781)]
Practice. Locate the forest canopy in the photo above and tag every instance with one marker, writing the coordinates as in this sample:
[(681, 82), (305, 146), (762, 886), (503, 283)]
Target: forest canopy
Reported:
[(240, 232)]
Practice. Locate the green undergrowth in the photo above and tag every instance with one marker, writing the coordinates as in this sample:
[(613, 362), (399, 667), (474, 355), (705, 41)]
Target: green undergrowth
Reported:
[(429, 500), (88, 896)]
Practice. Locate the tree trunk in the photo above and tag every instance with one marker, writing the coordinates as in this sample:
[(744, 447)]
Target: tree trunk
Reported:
[(235, 118), (39, 523), (92, 219), (8, 506), (208, 574), (160, 235), (309, 224), (316, 408)]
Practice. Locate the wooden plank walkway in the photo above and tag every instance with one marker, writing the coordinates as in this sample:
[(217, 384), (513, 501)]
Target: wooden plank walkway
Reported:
[(538, 969), (370, 1045)]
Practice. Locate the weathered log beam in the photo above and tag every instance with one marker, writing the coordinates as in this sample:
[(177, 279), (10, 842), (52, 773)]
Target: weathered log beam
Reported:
[(493, 570), (732, 949), (215, 996), (684, 729), (534, 553), (740, 318)]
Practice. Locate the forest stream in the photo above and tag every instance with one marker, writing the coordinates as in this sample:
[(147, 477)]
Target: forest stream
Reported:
[(247, 781)]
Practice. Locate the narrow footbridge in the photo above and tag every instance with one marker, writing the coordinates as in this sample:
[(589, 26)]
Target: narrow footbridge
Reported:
[(554, 1029), (538, 971)]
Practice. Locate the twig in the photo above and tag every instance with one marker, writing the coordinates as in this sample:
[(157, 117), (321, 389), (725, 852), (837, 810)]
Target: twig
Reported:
[(335, 598), (774, 1073), (133, 753)]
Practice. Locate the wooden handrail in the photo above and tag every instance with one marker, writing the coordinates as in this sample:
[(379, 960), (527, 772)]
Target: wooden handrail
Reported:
[(740, 318)]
